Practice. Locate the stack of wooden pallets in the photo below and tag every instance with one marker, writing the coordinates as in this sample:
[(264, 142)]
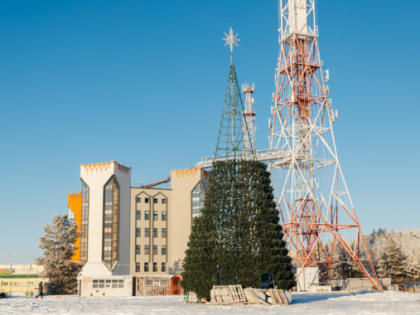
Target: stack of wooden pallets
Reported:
[(234, 294)]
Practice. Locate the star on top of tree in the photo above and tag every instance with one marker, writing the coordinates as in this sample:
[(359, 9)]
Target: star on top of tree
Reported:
[(231, 40)]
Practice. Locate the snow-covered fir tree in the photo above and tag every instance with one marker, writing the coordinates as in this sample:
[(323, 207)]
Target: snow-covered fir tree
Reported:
[(408, 241), (57, 245), (392, 262), (413, 270)]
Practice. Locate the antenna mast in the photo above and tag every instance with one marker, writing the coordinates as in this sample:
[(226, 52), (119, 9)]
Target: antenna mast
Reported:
[(315, 207)]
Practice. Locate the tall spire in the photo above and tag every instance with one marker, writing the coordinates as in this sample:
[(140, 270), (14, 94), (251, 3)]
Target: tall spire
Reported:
[(233, 131)]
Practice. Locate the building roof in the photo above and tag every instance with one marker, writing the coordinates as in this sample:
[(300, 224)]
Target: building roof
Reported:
[(19, 276), (105, 166)]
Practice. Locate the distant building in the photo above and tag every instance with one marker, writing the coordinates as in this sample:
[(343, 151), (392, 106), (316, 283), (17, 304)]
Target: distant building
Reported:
[(131, 236), (20, 280)]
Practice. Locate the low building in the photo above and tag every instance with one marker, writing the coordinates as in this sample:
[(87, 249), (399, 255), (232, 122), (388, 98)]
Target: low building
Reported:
[(21, 280), (132, 236)]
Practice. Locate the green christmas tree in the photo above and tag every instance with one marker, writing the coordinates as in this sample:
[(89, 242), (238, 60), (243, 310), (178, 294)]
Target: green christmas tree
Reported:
[(238, 236)]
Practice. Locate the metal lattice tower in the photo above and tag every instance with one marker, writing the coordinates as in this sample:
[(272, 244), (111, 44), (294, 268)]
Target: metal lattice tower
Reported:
[(233, 141), (313, 199)]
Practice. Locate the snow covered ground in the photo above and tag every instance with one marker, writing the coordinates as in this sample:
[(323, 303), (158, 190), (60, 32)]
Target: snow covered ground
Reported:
[(365, 303)]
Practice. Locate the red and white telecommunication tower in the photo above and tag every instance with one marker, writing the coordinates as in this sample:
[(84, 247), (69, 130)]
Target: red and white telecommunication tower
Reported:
[(313, 199)]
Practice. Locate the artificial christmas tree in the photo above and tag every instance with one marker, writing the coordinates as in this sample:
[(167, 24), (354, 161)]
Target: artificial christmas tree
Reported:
[(238, 237)]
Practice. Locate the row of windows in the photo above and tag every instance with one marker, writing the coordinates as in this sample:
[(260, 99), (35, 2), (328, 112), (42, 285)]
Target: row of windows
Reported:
[(155, 232), (155, 200), (111, 224), (85, 226), (156, 283), (147, 215), (108, 284), (154, 266), (154, 249), (18, 284)]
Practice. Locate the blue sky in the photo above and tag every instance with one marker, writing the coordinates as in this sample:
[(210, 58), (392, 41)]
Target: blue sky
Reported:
[(142, 82)]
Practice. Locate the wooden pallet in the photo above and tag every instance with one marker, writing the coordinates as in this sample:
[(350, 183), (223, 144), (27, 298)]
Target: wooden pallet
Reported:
[(278, 297), (237, 294)]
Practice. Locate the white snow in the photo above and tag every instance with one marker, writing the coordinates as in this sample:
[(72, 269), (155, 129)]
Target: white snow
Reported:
[(363, 303)]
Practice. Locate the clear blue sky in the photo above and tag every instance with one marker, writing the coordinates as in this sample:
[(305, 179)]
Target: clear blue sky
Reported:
[(142, 82)]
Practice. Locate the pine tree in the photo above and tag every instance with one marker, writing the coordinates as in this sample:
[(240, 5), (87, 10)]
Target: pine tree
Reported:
[(238, 236), (392, 262), (413, 270), (58, 245)]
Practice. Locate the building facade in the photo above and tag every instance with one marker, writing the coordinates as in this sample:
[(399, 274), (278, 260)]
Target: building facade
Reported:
[(133, 237), (105, 230), (21, 280)]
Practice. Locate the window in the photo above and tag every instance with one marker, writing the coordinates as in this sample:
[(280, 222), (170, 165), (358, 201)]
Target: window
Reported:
[(154, 249), (95, 284), (101, 284), (146, 200), (138, 215), (197, 199), (116, 283), (163, 231), (146, 215), (155, 232), (146, 232), (155, 215), (163, 215), (85, 220), (146, 249), (155, 200), (138, 232), (107, 283), (163, 201), (111, 209), (154, 267), (146, 267), (163, 269), (137, 267), (163, 250), (137, 249), (149, 283), (138, 199)]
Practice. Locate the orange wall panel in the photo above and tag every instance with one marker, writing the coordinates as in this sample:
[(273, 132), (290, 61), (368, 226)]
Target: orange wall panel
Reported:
[(74, 203)]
